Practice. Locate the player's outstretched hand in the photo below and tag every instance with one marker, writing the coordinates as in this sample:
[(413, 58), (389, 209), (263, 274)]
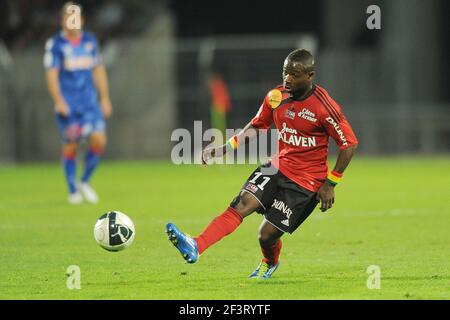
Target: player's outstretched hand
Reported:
[(326, 196), (210, 153)]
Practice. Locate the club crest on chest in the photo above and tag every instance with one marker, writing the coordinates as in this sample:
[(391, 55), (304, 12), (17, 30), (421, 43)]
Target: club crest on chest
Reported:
[(290, 112)]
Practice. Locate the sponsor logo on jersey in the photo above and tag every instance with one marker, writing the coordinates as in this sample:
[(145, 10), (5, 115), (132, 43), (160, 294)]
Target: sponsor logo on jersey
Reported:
[(338, 130), (274, 98), (82, 62), (290, 136), (281, 206), (308, 115), (251, 187)]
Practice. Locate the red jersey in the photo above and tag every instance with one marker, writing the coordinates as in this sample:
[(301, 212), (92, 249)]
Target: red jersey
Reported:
[(304, 127)]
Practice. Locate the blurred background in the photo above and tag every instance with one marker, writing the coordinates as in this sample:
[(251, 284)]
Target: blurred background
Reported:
[(173, 62)]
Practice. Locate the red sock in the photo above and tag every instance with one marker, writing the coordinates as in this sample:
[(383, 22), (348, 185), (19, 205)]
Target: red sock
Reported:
[(221, 226), (272, 254)]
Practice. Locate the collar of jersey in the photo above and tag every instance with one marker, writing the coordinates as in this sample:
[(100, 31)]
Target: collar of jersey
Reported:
[(73, 43)]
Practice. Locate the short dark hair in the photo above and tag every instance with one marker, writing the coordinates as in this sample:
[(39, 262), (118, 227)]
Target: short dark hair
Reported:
[(68, 4), (304, 57)]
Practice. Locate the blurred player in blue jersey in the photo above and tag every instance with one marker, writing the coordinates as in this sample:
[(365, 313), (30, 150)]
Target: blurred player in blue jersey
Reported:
[(78, 84)]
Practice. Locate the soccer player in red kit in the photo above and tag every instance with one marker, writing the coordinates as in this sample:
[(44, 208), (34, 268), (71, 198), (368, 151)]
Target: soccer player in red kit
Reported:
[(288, 188)]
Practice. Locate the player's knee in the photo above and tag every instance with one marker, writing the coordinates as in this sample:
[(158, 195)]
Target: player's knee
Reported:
[(98, 149), (98, 142), (266, 239), (69, 151), (244, 204)]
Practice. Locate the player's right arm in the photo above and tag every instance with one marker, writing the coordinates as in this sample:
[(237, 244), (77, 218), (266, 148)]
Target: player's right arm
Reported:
[(52, 63), (262, 121), (246, 134)]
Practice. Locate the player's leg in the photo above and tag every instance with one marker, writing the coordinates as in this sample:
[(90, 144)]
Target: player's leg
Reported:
[(224, 224), (292, 205), (69, 151), (70, 131), (256, 194), (270, 242), (97, 143), (221, 226), (252, 197)]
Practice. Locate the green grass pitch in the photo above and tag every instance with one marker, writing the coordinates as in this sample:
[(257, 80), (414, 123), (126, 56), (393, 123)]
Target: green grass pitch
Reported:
[(390, 212)]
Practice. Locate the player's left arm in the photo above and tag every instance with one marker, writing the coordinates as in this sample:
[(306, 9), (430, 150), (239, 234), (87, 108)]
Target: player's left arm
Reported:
[(325, 194), (101, 82), (340, 130), (100, 76), (262, 121)]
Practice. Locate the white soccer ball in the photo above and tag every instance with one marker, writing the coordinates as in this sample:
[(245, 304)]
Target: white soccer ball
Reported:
[(114, 231)]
